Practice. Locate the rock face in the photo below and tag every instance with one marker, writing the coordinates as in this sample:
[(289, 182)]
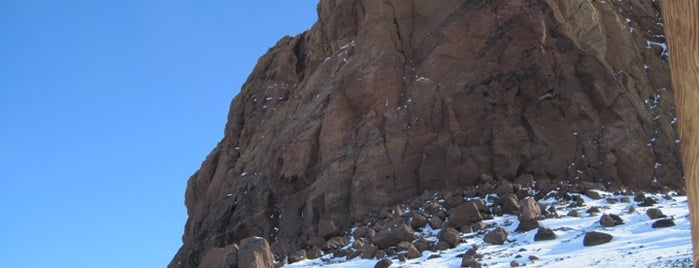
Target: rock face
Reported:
[(381, 100)]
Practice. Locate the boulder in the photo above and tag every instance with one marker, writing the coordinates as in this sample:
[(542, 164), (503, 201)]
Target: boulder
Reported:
[(385, 263), (450, 235), (221, 257), (391, 236), (610, 220), (466, 213), (655, 213), (418, 221), (255, 252), (510, 204), (469, 261), (596, 238), (413, 253), (663, 223), (496, 237), (544, 234)]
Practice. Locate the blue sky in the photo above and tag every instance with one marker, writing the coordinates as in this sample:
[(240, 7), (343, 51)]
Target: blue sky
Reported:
[(106, 109)]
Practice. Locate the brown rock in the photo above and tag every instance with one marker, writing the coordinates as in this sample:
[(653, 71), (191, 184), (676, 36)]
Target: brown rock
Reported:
[(327, 228), (593, 194), (465, 213), (663, 223), (314, 253), (655, 213), (391, 236), (421, 246), (496, 237), (377, 102), (334, 243), (596, 238), (443, 245), (403, 246), (610, 220), (385, 263), (413, 252), (359, 232), (449, 235), (254, 252), (527, 225), (436, 223), (418, 221), (573, 213), (510, 204), (296, 257), (469, 261), (221, 257), (514, 264), (544, 234), (477, 226), (369, 252)]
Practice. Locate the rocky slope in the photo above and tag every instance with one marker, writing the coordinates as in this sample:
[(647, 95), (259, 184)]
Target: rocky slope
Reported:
[(382, 100)]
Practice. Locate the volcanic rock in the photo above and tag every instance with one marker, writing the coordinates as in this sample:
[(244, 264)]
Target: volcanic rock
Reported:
[(465, 213), (610, 220), (385, 263), (596, 238), (254, 252), (449, 235), (544, 234), (221, 257), (413, 252), (391, 236), (381, 100), (655, 213), (663, 223), (496, 237)]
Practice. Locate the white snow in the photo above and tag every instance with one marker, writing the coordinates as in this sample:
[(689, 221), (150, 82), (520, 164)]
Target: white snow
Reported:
[(635, 243)]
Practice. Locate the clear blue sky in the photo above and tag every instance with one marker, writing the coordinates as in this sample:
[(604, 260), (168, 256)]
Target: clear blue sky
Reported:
[(106, 109)]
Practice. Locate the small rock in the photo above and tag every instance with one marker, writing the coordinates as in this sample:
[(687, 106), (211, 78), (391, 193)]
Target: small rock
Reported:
[(385, 263), (369, 252), (421, 246), (514, 264), (434, 256), (441, 245), (496, 237), (380, 254), (544, 234), (255, 252), (573, 213), (655, 213), (359, 232), (632, 209), (297, 257), (465, 213), (402, 258), (334, 243), (596, 238), (663, 223), (625, 199), (533, 258)]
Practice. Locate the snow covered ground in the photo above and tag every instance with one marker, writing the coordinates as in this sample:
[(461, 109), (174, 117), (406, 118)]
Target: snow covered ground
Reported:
[(635, 243)]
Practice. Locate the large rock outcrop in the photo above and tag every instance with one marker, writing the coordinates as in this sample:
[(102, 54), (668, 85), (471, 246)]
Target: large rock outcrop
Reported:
[(381, 100)]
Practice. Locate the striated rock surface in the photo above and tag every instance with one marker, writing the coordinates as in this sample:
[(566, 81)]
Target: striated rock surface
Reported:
[(381, 100)]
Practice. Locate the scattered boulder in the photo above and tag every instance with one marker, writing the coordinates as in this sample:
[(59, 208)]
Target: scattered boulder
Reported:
[(610, 220), (334, 243), (510, 204), (663, 223), (255, 252), (369, 252), (296, 257), (385, 263), (436, 223), (469, 261), (314, 253), (527, 225), (655, 213), (496, 237), (647, 202), (573, 213), (533, 258), (593, 194), (413, 253), (514, 263), (450, 235), (391, 236), (544, 234), (418, 221), (327, 228), (477, 226), (596, 238), (463, 214)]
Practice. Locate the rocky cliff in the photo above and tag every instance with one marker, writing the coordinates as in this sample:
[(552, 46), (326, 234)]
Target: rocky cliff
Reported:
[(381, 100)]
